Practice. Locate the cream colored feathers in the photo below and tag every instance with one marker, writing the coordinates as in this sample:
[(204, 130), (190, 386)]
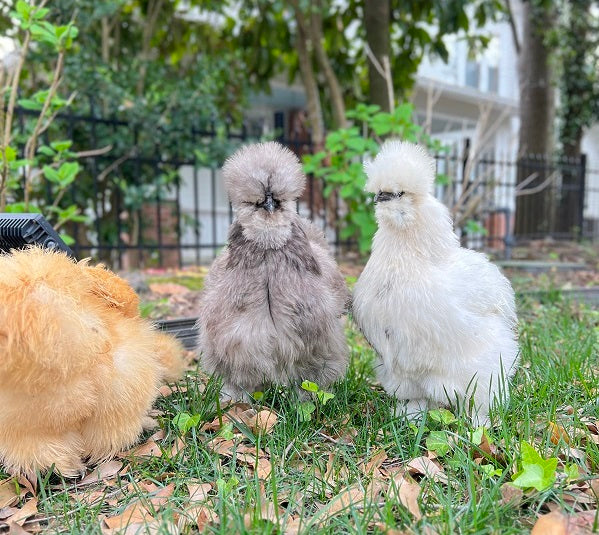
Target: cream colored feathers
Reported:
[(79, 368)]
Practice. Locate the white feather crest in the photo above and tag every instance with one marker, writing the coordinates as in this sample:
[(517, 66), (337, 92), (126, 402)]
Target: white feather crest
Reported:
[(401, 166)]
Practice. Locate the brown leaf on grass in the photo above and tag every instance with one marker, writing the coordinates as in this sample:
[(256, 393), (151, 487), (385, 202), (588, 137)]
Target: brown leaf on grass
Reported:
[(427, 468), (349, 497), (178, 446), (5, 512), (103, 471), (8, 493), (407, 493), (161, 496), (259, 463), (204, 517), (558, 433), (510, 494), (148, 449), (138, 512), (200, 515), (558, 523), (198, 492), (15, 529), (268, 511), (168, 288), (264, 422), (374, 463), (572, 453), (167, 390), (135, 513), (22, 514), (353, 496), (30, 486), (293, 526)]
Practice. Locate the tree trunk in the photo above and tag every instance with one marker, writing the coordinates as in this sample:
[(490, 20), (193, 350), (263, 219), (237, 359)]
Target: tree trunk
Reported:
[(337, 101), (534, 213), (309, 80), (377, 21), (577, 51)]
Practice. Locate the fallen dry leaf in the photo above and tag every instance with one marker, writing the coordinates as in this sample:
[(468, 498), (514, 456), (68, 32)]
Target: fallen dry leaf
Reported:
[(178, 447), (5, 512), (264, 422), (558, 433), (510, 494), (133, 514), (16, 529), (374, 463), (198, 492), (347, 498), (268, 511), (29, 509), (30, 486), (428, 468), (200, 515), (138, 512), (102, 471), (407, 493), (8, 493), (351, 497), (148, 449), (558, 523), (261, 464)]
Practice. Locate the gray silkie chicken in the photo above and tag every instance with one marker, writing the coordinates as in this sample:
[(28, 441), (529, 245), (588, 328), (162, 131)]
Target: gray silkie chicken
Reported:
[(272, 305)]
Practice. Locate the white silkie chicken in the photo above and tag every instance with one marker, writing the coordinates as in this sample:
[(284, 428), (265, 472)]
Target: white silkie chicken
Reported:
[(441, 318)]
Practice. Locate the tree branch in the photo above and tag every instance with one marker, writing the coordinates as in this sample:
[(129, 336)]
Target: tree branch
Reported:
[(512, 23)]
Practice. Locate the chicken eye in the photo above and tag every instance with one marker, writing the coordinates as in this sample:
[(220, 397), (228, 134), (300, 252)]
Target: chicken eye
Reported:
[(383, 196)]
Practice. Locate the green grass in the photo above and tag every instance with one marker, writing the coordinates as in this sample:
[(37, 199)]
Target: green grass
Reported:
[(314, 461)]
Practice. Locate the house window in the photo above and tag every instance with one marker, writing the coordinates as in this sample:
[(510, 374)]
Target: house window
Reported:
[(472, 73), (493, 79)]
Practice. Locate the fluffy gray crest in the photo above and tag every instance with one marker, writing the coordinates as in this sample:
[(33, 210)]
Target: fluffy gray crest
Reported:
[(255, 169)]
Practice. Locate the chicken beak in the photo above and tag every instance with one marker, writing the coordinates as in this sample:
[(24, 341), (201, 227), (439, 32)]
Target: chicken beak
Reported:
[(269, 205)]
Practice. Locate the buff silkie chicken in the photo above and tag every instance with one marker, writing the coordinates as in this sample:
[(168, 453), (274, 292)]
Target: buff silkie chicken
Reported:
[(79, 368), (442, 318), (271, 311)]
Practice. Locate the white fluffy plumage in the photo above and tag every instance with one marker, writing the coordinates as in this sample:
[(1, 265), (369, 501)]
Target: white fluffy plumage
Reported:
[(442, 318)]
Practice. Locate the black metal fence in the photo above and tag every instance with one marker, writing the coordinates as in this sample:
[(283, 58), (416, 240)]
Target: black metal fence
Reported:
[(148, 204)]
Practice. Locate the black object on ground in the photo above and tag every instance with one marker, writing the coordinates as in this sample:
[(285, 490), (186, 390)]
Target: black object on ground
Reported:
[(182, 329), (19, 230)]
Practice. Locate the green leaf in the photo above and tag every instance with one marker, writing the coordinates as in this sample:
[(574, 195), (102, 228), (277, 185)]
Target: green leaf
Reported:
[(40, 13), (571, 471), (324, 397), (46, 151), (536, 472), (443, 416), (51, 174), (60, 146), (21, 208), (67, 238), (30, 104), (68, 171), (310, 386), (305, 410), (9, 154), (23, 9), (438, 442), (226, 431), (258, 396), (185, 421), (489, 471)]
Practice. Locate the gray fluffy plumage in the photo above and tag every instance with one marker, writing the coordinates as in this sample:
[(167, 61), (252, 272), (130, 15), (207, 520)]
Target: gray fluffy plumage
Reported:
[(272, 304)]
